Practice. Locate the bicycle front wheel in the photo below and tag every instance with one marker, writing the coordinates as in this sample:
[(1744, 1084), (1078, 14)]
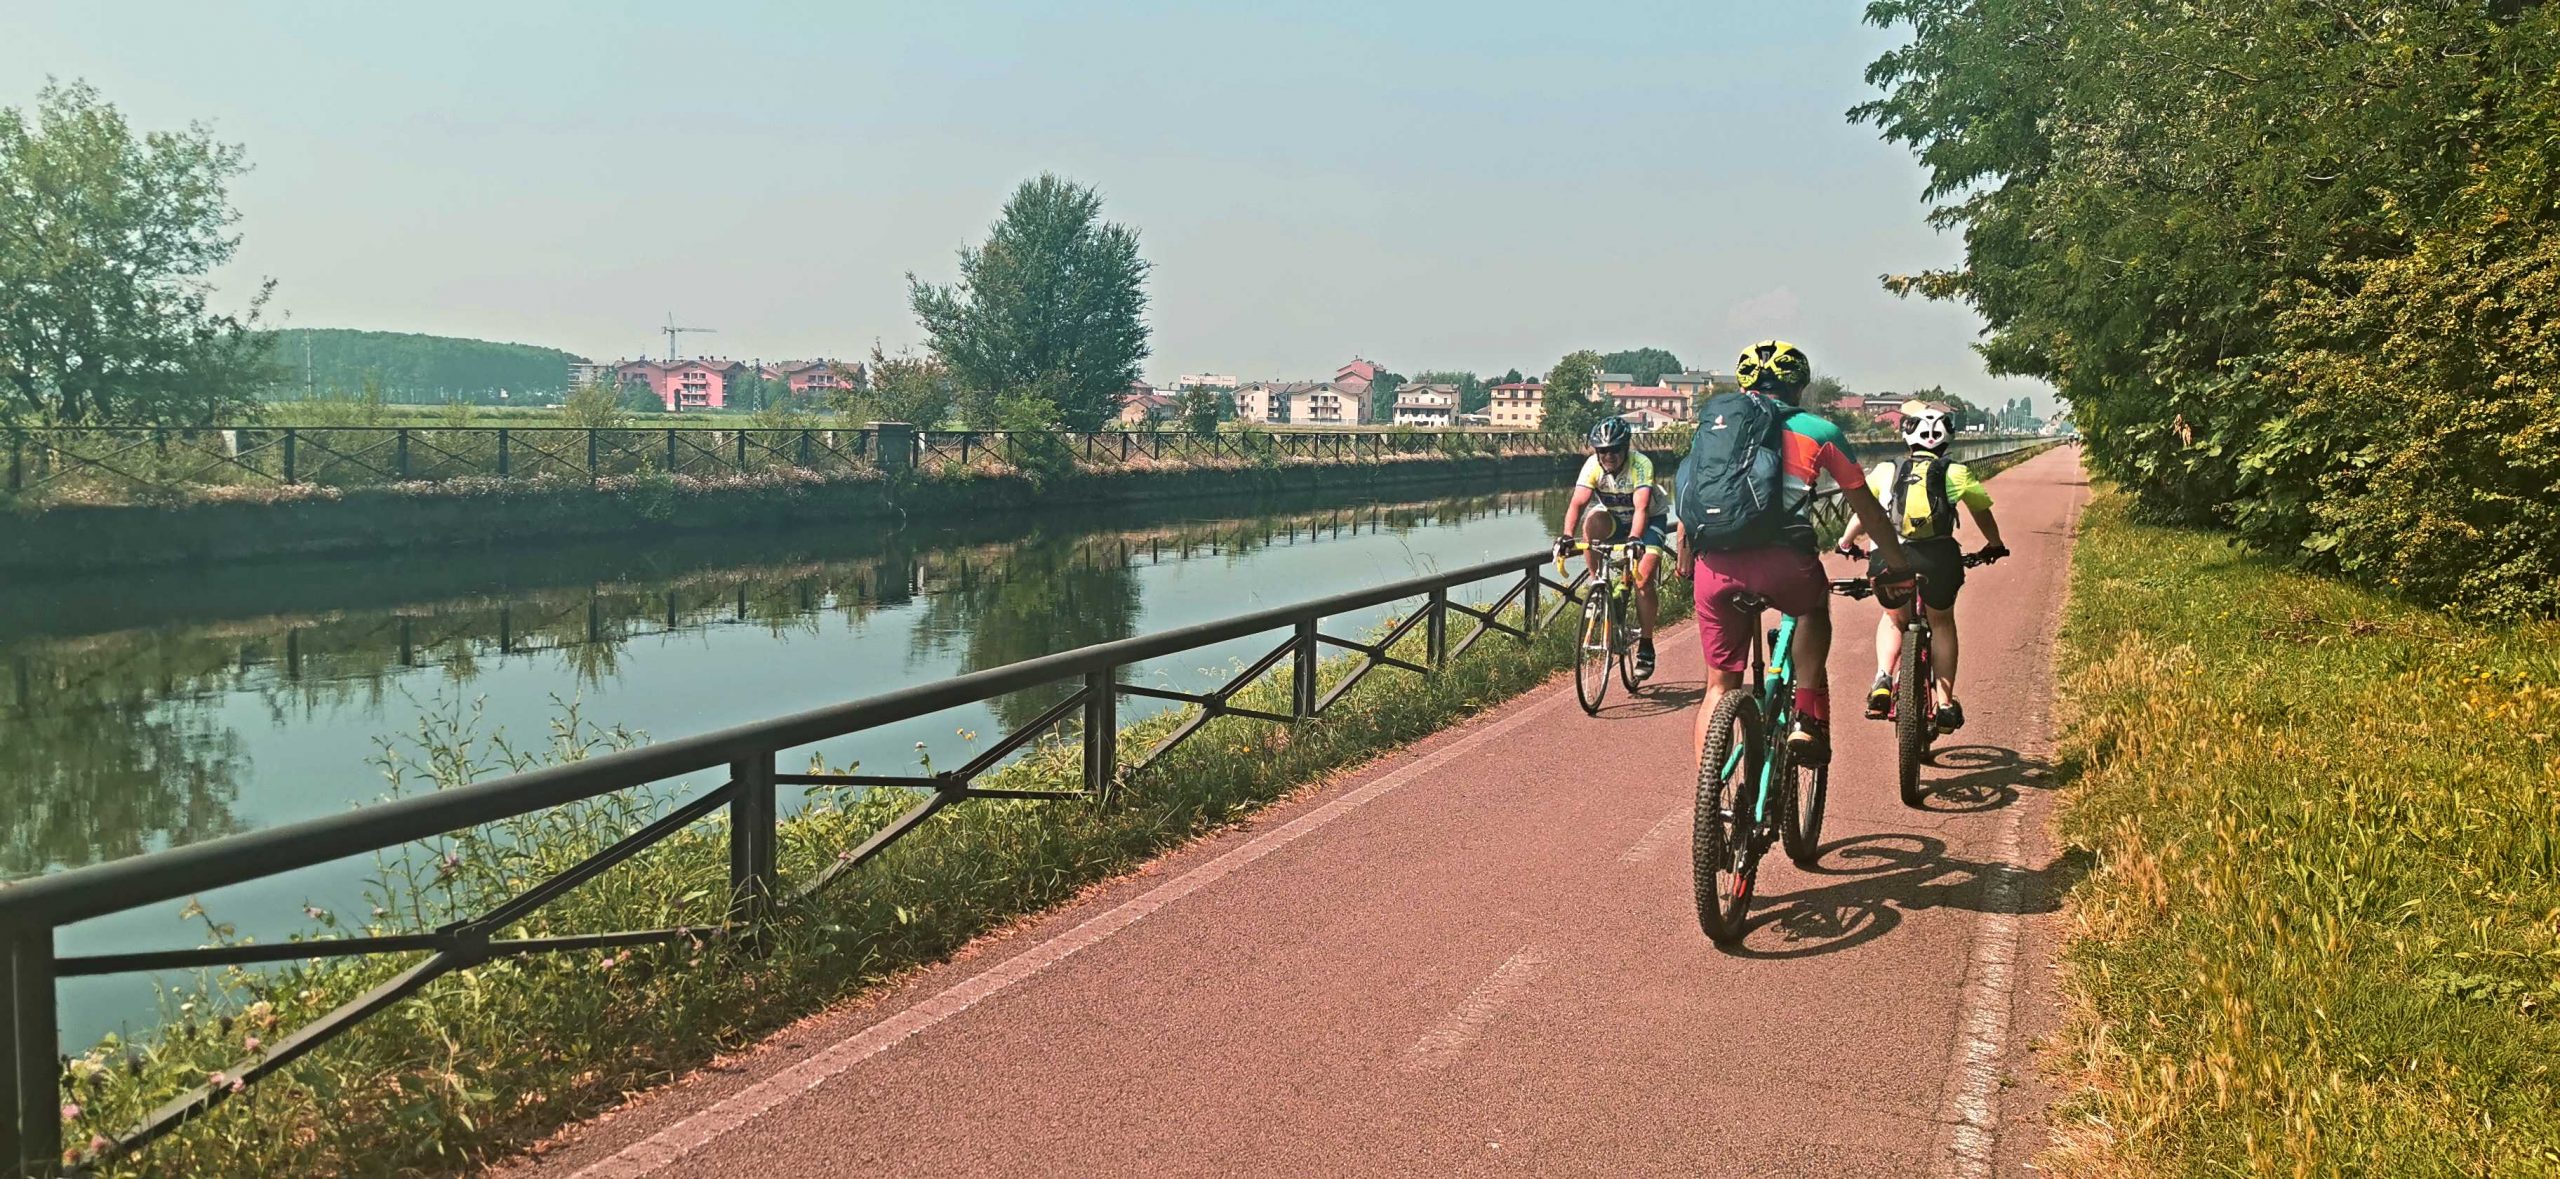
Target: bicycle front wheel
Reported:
[(1591, 660), (1911, 714), (1624, 641), (1722, 861)]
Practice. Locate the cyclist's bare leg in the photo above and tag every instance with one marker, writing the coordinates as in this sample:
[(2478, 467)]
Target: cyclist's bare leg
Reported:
[(1598, 525), (1942, 653), (1648, 590), (1813, 652), (1719, 682), (1889, 624)]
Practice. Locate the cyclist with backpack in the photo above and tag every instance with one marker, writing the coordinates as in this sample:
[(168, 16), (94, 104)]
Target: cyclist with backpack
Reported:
[(1618, 480), (1742, 497), (1920, 493)]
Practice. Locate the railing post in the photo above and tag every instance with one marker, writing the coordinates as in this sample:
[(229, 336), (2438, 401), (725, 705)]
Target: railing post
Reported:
[(804, 450), (1435, 629), (752, 829), (671, 450), (742, 450), (289, 475), (502, 452), (1529, 606), (17, 464), (1302, 672), (31, 1068), (1101, 734), (897, 447), (400, 453), (591, 453)]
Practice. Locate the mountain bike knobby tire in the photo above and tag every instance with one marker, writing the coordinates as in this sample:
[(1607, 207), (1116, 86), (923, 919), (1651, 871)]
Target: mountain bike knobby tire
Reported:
[(1806, 791), (1911, 714), (1591, 658), (1722, 861)]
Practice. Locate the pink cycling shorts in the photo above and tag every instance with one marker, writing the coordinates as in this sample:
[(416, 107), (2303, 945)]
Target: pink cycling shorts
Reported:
[(1791, 579)]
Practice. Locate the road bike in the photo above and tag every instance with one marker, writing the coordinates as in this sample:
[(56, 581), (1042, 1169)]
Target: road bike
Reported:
[(1605, 639), (1915, 706), (1744, 773)]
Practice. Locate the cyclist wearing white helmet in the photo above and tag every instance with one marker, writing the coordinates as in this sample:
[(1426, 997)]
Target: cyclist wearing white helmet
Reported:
[(1619, 479), (1919, 494)]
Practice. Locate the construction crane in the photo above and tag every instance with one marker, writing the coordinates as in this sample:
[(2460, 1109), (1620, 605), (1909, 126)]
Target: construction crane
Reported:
[(671, 329)]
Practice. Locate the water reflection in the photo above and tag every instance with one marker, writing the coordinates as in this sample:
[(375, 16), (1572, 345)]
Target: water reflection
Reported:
[(125, 701)]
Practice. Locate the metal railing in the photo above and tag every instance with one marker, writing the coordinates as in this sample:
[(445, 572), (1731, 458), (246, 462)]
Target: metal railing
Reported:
[(33, 1071), (128, 459)]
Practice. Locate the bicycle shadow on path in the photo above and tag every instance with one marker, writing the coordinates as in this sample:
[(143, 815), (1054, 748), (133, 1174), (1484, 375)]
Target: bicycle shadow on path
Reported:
[(1986, 778), (1874, 880), (1657, 698)]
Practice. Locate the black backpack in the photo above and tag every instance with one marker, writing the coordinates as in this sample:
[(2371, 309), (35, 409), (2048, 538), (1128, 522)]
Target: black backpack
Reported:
[(1731, 490), (1930, 515)]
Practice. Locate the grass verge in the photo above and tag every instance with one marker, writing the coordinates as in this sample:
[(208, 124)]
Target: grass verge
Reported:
[(489, 1059), (2322, 936)]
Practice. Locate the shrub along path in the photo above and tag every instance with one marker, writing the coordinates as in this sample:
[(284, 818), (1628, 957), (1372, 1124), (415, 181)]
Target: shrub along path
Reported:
[(1479, 956)]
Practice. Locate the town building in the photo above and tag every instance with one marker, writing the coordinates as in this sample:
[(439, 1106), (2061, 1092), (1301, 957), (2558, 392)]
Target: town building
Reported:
[(584, 372), (1609, 383), (1313, 404), (1518, 405), (1663, 400), (807, 377), (1261, 403), (1213, 381), (1142, 404), (1426, 405), (700, 383)]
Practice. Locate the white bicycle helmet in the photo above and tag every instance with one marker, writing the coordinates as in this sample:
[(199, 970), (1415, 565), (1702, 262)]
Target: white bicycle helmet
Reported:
[(1926, 427)]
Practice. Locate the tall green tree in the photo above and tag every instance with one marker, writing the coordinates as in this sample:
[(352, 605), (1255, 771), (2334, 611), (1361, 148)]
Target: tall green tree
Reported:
[(917, 390), (1571, 385), (1051, 307), (1646, 365), (107, 237), (1382, 395)]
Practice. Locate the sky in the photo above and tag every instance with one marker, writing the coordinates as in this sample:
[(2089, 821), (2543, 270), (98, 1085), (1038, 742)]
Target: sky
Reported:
[(1480, 185)]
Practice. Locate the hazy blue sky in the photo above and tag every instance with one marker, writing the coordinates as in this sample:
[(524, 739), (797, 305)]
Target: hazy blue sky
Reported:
[(1474, 185)]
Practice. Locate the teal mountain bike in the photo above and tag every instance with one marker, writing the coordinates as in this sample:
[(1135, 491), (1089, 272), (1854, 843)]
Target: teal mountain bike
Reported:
[(1751, 792)]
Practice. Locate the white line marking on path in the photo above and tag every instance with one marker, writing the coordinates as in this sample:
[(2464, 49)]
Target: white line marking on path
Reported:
[(665, 1147), (1972, 1103), (1655, 838), (1464, 1025)]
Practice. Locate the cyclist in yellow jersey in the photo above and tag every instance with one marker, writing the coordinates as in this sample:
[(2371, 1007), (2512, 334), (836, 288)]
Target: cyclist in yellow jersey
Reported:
[(1619, 479), (1920, 495)]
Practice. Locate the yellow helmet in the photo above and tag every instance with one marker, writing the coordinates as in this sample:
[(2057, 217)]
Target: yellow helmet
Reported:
[(1774, 367)]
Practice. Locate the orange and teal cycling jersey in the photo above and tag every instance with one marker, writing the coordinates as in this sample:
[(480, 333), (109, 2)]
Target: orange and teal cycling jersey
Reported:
[(1810, 447)]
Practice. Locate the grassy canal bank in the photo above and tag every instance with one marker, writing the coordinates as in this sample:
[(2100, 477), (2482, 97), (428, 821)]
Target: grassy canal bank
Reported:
[(2322, 932), (473, 513), (490, 1059)]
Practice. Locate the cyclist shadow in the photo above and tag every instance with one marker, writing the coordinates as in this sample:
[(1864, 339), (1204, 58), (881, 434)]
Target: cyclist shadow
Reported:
[(1656, 699), (1868, 883), (1987, 778)]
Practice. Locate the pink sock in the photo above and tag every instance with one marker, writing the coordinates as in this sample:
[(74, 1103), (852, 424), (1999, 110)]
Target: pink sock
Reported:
[(1812, 705)]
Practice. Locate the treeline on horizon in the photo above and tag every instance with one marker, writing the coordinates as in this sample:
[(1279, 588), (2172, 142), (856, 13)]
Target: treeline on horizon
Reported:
[(2295, 265), (409, 366)]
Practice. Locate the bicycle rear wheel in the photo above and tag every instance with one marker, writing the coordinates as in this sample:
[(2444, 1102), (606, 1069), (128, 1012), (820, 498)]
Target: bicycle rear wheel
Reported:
[(1722, 861), (1807, 791), (1591, 661), (1911, 714)]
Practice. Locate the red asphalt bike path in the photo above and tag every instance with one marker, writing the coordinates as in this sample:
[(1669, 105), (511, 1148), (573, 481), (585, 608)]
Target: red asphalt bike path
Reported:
[(1479, 956)]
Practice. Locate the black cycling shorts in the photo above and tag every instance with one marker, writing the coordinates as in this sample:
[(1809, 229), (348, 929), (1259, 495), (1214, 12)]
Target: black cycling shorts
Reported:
[(1940, 562)]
